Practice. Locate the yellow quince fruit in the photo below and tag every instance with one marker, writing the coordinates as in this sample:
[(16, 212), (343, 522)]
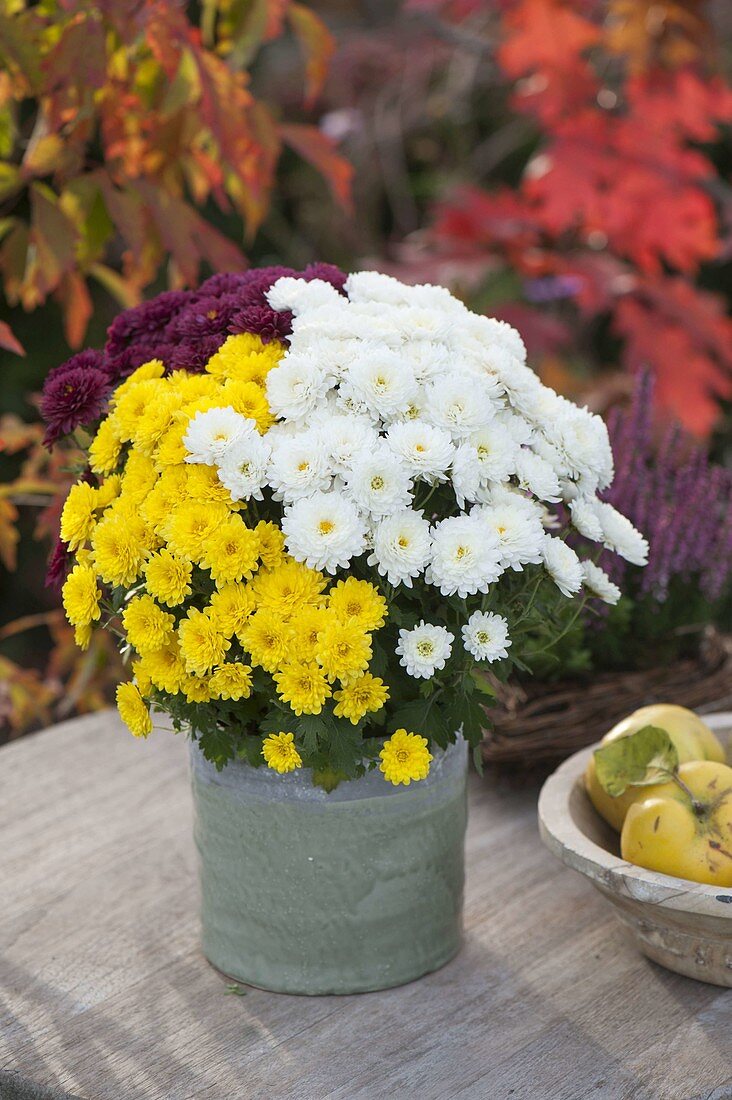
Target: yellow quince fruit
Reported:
[(691, 737), (684, 827)]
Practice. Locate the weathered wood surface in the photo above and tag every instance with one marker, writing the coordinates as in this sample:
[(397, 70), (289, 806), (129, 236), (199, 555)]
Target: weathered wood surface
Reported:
[(105, 995)]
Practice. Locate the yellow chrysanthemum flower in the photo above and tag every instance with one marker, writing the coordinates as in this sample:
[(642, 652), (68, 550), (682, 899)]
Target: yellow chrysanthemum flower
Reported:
[(148, 627), (203, 485), (130, 405), (171, 450), (278, 749), (271, 544), (306, 625), (245, 357), (360, 696), (358, 602), (105, 448), (133, 710), (202, 645), (250, 400), (344, 650), (109, 490), (78, 518), (231, 681), (83, 636), (156, 422), (231, 607), (266, 638), (139, 478), (81, 596), (167, 578), (196, 689), (189, 387), (121, 542), (404, 757), (163, 667), (191, 526), (154, 368), (169, 491), (142, 681), (303, 686), (231, 552), (287, 587)]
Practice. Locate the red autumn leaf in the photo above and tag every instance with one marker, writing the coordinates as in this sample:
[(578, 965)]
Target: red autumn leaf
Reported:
[(546, 42), (682, 333), (8, 339), (319, 150), (77, 307), (316, 43)]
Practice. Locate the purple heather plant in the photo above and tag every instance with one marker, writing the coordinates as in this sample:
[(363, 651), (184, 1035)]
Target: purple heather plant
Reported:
[(678, 498)]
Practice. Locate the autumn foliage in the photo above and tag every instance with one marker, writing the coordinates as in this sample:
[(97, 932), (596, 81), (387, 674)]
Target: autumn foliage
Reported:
[(617, 207), (123, 125), (119, 121)]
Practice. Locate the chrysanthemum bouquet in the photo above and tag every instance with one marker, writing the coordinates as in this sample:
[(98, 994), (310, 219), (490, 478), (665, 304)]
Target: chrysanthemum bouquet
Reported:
[(317, 509)]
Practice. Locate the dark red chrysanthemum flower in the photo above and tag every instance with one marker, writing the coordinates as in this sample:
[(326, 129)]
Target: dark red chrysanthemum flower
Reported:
[(59, 565), (205, 315), (264, 321), (193, 354), (329, 273), (86, 360), (77, 395)]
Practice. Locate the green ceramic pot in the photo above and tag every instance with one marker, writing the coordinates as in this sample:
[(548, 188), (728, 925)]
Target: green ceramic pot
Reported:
[(309, 892)]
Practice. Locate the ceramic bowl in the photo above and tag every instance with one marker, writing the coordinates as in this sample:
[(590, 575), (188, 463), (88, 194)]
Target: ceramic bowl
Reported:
[(685, 926)]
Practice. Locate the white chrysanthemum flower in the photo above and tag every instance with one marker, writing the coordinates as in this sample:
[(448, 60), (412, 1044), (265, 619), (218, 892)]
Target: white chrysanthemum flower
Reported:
[(489, 330), (494, 361), (344, 436), (325, 530), (586, 519), (296, 386), (418, 323), (244, 467), (402, 544), (380, 381), (517, 426), (597, 581), (427, 359), (298, 466), (496, 451), (379, 482), (536, 475), (465, 475), (517, 526), (465, 558), (301, 295), (485, 636), (582, 439), (424, 650), (374, 286), (563, 565), (426, 451), (620, 535), (461, 403), (210, 434)]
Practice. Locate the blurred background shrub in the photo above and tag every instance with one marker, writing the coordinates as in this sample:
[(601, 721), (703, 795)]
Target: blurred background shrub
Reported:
[(560, 163)]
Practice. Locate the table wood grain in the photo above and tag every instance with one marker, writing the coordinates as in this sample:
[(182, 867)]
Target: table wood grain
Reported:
[(104, 993)]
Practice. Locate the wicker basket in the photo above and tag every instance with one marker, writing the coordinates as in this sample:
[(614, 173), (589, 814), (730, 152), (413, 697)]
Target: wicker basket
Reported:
[(537, 724)]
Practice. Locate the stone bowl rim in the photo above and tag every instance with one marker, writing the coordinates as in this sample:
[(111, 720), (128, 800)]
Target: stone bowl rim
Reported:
[(567, 840)]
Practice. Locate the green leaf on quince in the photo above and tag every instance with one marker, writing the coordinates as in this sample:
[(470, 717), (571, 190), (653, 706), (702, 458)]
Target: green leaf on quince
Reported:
[(646, 757)]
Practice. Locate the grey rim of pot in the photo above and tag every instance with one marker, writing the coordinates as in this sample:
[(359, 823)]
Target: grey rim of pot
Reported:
[(304, 891)]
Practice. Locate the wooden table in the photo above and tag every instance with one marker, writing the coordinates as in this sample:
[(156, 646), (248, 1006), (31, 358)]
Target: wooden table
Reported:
[(105, 995)]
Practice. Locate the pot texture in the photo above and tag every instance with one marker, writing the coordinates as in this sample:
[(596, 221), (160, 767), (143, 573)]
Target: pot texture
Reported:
[(305, 891), (685, 926)]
